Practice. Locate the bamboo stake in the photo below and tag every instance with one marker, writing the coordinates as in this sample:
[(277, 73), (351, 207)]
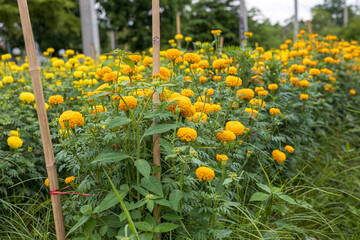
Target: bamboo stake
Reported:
[(308, 23), (156, 70), (221, 44), (178, 29), (42, 116)]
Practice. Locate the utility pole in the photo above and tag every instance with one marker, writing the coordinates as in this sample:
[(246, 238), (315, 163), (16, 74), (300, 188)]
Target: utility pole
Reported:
[(296, 23), (243, 23), (346, 15), (89, 28)]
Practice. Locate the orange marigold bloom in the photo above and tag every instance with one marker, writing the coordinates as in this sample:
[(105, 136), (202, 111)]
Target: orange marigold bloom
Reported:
[(71, 119), (130, 101), (352, 92), (245, 94), (304, 96), (289, 149), (56, 99), (278, 156), (187, 134), (172, 53), (225, 136), (236, 127), (101, 71), (274, 111), (205, 173), (192, 57), (233, 81), (273, 86)]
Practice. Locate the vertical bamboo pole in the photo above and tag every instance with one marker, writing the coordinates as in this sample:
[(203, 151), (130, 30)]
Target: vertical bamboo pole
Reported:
[(221, 44), (308, 23), (178, 29), (42, 116), (156, 70)]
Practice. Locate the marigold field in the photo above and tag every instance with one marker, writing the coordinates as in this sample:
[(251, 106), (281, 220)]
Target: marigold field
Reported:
[(254, 144)]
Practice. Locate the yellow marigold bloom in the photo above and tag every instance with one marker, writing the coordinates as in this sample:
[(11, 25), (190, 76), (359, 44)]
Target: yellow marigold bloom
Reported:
[(192, 57), (187, 93), (69, 52), (219, 63), (248, 34), (58, 63), (209, 92), (202, 79), (46, 182), (8, 79), (198, 117), (201, 107), (128, 71), (14, 142), (1, 84), (329, 87), (172, 54), (188, 39), (49, 76), (14, 133), (27, 97), (5, 57), (69, 179), (215, 107), (314, 71), (56, 99), (205, 173), (236, 127), (284, 46), (274, 111), (257, 89), (289, 149), (278, 156), (347, 56), (273, 86), (99, 109), (233, 81), (100, 72), (187, 134), (328, 60), (253, 112), (225, 136), (130, 101), (164, 73), (232, 70), (352, 92), (258, 102), (147, 61), (221, 157), (304, 83), (204, 64), (71, 119), (135, 58), (245, 94), (304, 96), (217, 78), (110, 77), (216, 32), (179, 37), (183, 102)]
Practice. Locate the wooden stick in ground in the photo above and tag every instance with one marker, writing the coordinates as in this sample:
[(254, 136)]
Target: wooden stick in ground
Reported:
[(178, 29), (308, 23), (221, 44), (42, 116), (156, 70)]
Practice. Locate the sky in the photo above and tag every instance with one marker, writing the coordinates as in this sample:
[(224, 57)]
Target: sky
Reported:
[(280, 10)]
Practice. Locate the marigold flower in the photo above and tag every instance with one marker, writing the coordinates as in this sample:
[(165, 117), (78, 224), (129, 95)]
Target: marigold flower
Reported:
[(192, 57), (204, 64), (225, 136), (187, 93), (147, 61), (219, 63), (205, 173), (179, 37), (248, 34), (164, 73), (236, 127), (130, 101), (71, 118), (27, 97), (216, 32), (135, 58), (278, 156), (258, 89), (100, 72), (273, 86), (5, 57), (14, 133), (99, 109), (110, 77), (304, 83), (253, 112), (245, 94), (49, 76), (188, 39), (172, 53), (46, 182), (128, 71), (187, 134), (289, 149), (274, 111), (233, 81), (197, 117), (221, 157), (258, 102), (14, 142), (183, 102), (201, 107), (329, 87), (56, 99), (215, 107), (304, 96), (58, 63), (69, 179), (352, 92), (314, 71)]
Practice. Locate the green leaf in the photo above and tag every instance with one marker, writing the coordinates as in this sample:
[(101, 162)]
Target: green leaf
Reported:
[(141, 191), (144, 226), (129, 62), (163, 202), (259, 196), (81, 221), (159, 128), (106, 62), (264, 187), (106, 157), (159, 114), (99, 95), (103, 230), (150, 205), (143, 167), (175, 198), (152, 184), (287, 199), (95, 236), (171, 217), (89, 226), (165, 227), (117, 122), (109, 201), (86, 209), (166, 145), (146, 236)]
